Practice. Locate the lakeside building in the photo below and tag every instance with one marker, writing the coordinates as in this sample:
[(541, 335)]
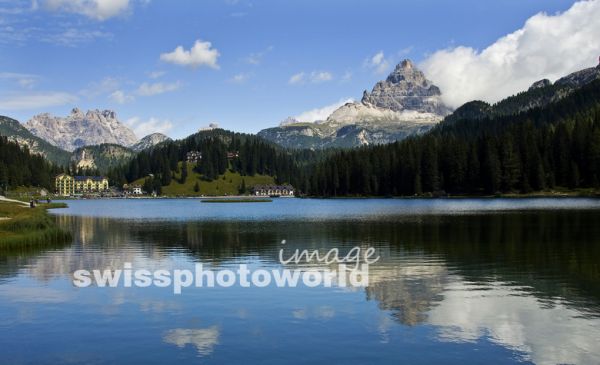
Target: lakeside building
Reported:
[(133, 189), (67, 185), (273, 190)]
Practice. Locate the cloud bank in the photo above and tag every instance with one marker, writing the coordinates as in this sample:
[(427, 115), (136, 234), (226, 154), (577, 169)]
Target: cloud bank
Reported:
[(547, 46)]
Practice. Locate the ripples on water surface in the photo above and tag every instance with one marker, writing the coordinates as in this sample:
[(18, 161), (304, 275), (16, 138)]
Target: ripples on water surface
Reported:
[(460, 281)]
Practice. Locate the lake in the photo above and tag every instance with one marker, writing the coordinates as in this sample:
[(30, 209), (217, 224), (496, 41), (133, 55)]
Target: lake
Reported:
[(478, 281)]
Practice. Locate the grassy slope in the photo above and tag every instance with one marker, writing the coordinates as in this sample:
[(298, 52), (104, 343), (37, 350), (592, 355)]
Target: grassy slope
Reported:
[(227, 184), (29, 227)]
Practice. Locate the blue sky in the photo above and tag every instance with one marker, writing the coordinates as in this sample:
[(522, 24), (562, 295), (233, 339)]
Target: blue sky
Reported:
[(106, 54)]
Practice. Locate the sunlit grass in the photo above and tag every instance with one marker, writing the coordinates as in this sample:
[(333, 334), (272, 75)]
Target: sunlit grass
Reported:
[(227, 184), (24, 226)]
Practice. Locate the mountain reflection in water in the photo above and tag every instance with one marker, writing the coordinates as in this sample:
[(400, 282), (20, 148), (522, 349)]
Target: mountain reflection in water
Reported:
[(517, 286)]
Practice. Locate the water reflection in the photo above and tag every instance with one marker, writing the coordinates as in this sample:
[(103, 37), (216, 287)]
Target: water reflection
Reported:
[(548, 332), (204, 339), (524, 282)]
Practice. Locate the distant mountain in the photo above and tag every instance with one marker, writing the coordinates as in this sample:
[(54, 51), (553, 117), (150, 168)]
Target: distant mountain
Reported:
[(16, 132), (78, 129), (404, 104), (149, 141), (102, 157), (544, 139), (406, 88)]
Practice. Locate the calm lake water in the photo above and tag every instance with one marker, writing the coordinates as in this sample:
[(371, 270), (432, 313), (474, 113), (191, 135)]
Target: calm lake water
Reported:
[(477, 281)]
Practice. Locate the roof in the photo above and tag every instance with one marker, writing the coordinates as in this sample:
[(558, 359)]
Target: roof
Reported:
[(94, 178), (273, 187)]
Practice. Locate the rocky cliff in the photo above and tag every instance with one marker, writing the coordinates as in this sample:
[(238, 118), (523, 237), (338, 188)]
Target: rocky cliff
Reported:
[(403, 104), (149, 141), (406, 88), (80, 129), (102, 157)]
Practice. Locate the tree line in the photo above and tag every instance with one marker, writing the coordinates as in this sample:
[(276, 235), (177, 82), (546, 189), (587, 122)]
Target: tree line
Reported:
[(252, 155), (20, 167), (555, 146)]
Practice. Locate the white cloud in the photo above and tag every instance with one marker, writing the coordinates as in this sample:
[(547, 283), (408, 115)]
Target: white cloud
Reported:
[(547, 46), (378, 63), (36, 100), (320, 76), (240, 78), (296, 78), (143, 128), (106, 86), (72, 37), (257, 57), (314, 77), (347, 76), (156, 74), (322, 113), (95, 9), (149, 89), (26, 81), (119, 96), (201, 54)]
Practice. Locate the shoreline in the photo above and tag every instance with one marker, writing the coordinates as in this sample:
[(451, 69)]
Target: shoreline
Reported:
[(23, 226), (540, 195)]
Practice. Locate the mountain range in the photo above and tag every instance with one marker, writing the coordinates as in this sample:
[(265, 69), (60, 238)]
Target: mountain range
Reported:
[(95, 139), (80, 129), (405, 104)]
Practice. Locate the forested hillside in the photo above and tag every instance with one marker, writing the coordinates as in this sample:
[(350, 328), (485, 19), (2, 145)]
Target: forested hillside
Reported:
[(252, 156), (19, 167), (475, 152), (15, 131)]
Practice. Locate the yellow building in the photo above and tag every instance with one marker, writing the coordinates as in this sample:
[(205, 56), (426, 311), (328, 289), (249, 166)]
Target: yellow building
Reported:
[(64, 185), (69, 185)]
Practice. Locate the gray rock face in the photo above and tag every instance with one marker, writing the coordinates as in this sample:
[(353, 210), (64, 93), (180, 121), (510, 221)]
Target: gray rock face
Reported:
[(580, 78), (102, 157), (79, 129), (150, 140), (540, 84), (403, 105), (288, 121), (406, 88)]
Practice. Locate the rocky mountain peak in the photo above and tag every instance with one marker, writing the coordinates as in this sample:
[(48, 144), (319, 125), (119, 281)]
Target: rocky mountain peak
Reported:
[(78, 129), (150, 140), (540, 84), (288, 121), (407, 88), (580, 78), (406, 71)]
